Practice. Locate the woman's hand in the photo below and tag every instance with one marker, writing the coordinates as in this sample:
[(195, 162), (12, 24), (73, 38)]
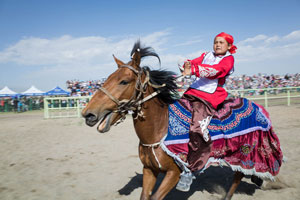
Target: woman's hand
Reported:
[(187, 68)]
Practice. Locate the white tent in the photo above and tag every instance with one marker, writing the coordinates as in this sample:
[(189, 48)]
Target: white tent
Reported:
[(6, 92), (33, 91)]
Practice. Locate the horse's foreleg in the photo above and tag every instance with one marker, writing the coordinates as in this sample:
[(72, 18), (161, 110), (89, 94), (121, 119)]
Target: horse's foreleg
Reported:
[(236, 181), (170, 180), (149, 180)]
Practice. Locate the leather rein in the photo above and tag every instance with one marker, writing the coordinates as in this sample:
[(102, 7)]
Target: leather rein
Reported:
[(133, 104)]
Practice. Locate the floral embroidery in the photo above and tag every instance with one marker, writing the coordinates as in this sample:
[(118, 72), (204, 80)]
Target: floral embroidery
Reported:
[(247, 148), (248, 163), (260, 117), (275, 145), (219, 152), (207, 71), (179, 113), (233, 160), (261, 166), (176, 127), (182, 156), (276, 166), (179, 120), (263, 152), (203, 124), (234, 123)]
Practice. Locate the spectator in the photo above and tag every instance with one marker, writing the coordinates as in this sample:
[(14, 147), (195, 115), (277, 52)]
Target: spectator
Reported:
[(15, 101), (84, 88), (257, 81), (261, 81)]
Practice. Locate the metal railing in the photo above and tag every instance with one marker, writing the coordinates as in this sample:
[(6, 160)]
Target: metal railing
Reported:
[(59, 107)]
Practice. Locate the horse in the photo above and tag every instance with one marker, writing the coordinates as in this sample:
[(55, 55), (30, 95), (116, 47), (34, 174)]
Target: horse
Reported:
[(145, 94)]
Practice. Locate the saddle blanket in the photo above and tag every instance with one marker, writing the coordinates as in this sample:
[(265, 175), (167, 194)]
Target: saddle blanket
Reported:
[(241, 133)]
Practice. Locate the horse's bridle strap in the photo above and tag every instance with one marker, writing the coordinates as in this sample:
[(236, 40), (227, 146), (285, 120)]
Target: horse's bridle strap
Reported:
[(109, 95), (132, 104), (148, 97)]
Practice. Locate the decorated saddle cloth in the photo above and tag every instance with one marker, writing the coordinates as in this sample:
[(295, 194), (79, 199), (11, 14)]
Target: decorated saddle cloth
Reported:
[(241, 133)]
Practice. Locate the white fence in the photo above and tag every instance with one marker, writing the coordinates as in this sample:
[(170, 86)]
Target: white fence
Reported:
[(59, 107), (267, 96)]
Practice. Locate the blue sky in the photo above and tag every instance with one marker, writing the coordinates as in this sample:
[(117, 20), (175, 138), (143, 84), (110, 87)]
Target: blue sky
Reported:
[(47, 42)]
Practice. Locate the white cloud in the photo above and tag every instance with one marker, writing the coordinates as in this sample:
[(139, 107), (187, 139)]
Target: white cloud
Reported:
[(49, 61), (254, 39), (262, 47), (89, 51), (295, 35), (70, 51), (64, 50), (272, 39)]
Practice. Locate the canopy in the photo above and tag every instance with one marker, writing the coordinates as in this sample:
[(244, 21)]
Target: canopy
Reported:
[(57, 91), (6, 92), (33, 91)]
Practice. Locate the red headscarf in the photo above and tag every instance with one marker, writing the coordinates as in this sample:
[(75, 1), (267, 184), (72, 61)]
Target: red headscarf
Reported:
[(229, 39)]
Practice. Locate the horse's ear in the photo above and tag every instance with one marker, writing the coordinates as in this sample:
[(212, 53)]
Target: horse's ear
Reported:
[(136, 59), (119, 62)]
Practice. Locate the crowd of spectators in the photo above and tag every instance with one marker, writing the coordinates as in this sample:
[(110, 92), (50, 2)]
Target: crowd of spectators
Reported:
[(258, 81), (261, 81), (83, 88)]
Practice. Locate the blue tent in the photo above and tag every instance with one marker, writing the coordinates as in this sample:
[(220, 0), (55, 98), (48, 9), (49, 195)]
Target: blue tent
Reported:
[(57, 91)]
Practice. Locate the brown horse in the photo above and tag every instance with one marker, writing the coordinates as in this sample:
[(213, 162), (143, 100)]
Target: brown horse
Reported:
[(145, 93)]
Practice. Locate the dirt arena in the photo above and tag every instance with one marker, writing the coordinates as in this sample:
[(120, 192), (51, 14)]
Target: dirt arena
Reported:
[(63, 159)]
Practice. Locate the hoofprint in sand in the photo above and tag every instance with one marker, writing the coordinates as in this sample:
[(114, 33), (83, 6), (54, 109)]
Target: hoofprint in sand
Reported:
[(65, 159)]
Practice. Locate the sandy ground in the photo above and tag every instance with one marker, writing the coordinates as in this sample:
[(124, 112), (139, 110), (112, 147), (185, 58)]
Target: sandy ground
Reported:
[(65, 159)]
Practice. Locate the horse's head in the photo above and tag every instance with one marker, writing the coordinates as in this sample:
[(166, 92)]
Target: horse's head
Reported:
[(121, 87)]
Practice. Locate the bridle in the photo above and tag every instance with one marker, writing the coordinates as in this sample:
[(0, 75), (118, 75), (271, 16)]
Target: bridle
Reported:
[(134, 104)]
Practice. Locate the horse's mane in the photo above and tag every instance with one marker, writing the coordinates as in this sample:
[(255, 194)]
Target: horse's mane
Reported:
[(168, 94)]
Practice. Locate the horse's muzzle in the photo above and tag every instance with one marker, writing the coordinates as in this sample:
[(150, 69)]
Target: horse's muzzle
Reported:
[(90, 119)]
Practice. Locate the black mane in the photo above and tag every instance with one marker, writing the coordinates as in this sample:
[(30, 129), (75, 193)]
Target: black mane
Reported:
[(168, 94)]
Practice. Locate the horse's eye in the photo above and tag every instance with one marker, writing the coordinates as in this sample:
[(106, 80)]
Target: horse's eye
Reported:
[(123, 82)]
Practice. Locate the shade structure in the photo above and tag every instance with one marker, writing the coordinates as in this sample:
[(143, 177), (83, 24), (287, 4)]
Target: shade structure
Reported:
[(6, 92), (57, 91), (33, 91)]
